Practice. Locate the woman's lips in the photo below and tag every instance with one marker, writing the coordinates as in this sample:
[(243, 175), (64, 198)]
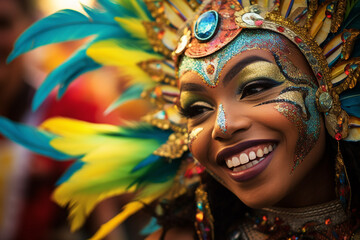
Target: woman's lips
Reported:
[(253, 171), (247, 159)]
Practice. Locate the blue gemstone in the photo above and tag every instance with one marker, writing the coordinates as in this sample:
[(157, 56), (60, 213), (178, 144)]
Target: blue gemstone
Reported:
[(206, 25)]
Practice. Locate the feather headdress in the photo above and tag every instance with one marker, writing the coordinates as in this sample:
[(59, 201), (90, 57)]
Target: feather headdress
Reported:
[(140, 37)]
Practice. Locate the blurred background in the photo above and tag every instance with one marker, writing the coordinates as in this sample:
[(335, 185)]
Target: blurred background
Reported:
[(27, 180)]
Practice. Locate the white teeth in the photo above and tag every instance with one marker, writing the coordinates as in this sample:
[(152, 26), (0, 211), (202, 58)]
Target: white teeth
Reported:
[(259, 153), (266, 151), (229, 163), (252, 155), (244, 158), (235, 161), (243, 161)]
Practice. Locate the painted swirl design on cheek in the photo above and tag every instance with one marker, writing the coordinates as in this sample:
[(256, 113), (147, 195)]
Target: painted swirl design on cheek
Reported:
[(221, 119), (297, 103), (193, 136)]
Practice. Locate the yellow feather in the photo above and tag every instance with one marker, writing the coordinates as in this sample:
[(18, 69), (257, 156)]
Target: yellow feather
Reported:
[(133, 26), (70, 127), (131, 208), (134, 5), (109, 52)]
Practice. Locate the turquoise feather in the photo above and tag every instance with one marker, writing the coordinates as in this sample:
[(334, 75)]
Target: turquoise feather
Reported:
[(61, 26), (30, 137), (63, 75), (151, 227), (350, 101), (76, 166), (143, 131), (147, 161), (131, 93), (158, 172), (123, 8)]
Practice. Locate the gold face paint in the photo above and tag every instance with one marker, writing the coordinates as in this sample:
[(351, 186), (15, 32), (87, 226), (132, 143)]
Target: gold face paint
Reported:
[(247, 40), (193, 135), (296, 102), (260, 71)]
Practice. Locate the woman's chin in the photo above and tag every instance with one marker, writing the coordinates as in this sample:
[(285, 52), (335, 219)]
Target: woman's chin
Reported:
[(262, 200)]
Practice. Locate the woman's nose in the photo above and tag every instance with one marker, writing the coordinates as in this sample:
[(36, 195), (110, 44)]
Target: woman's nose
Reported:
[(228, 123)]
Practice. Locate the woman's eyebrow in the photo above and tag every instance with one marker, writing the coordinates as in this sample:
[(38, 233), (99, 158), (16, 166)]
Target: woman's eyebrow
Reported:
[(241, 65), (191, 87)]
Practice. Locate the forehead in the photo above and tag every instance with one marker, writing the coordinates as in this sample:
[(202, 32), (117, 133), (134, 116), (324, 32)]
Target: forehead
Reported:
[(210, 68)]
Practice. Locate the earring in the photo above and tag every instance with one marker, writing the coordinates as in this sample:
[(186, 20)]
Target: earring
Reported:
[(343, 188), (204, 221)]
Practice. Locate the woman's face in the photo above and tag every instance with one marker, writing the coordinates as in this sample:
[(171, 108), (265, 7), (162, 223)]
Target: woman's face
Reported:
[(252, 118)]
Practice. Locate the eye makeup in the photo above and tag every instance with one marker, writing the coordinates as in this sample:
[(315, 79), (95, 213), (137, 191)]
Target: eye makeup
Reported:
[(252, 81), (297, 103), (210, 68), (192, 105)]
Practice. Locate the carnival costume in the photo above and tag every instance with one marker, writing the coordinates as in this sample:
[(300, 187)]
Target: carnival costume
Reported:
[(150, 158)]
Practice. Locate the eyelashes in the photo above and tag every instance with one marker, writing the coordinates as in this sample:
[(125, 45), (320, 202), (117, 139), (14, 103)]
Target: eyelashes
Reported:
[(199, 107), (256, 86), (195, 109)]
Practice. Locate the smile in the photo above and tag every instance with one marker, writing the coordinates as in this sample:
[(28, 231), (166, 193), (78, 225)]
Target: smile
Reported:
[(249, 158), (246, 160)]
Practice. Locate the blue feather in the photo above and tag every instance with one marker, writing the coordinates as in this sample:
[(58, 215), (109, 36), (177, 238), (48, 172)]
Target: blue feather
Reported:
[(99, 15), (73, 168), (78, 64), (145, 131), (131, 93), (350, 101), (61, 26), (124, 8), (30, 137), (147, 161), (158, 172), (151, 227)]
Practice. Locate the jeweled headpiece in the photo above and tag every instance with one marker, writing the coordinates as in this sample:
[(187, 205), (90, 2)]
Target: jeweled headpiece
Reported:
[(150, 158), (322, 33)]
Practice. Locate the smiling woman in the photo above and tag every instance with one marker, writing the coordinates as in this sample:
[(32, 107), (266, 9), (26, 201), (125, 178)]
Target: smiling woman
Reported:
[(255, 122), (244, 147)]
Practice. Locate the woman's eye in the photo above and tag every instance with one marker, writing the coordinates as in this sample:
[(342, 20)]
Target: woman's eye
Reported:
[(196, 109), (257, 86)]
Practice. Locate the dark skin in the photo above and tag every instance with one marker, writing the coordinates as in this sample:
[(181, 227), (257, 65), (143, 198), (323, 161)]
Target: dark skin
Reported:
[(276, 185)]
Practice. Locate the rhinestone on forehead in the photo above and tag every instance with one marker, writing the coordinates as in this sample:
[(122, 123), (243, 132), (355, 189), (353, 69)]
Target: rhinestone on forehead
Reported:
[(247, 40), (226, 29), (206, 25)]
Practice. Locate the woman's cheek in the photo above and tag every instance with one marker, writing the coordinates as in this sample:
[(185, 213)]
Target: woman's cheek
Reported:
[(193, 137)]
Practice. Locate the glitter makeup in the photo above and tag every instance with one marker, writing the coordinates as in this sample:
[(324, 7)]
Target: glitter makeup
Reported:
[(247, 40), (297, 103), (221, 119), (193, 135)]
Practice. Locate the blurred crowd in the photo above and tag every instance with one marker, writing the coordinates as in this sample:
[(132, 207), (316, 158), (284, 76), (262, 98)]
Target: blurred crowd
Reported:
[(27, 180)]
